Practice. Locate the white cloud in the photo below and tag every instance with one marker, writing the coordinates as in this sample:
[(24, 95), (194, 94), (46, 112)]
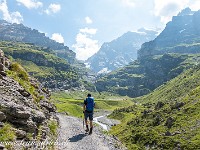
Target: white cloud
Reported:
[(88, 20), (30, 3), (53, 8), (57, 37), (13, 17), (166, 9), (130, 3), (88, 30), (85, 46), (195, 5)]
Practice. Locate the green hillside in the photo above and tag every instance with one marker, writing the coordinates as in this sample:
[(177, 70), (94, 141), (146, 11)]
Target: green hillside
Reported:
[(43, 64), (143, 76), (168, 117), (72, 102)]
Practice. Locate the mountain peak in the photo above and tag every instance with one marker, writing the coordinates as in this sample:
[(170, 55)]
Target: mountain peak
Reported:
[(119, 52), (179, 36), (186, 11)]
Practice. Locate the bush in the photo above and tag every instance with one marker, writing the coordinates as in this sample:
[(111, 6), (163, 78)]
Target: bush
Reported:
[(53, 127), (6, 133), (21, 73)]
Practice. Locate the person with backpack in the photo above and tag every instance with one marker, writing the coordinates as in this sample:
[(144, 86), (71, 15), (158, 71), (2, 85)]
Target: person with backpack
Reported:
[(88, 110)]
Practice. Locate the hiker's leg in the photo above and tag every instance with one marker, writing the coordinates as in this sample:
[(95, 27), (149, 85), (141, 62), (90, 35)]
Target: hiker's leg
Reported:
[(91, 125), (86, 122)]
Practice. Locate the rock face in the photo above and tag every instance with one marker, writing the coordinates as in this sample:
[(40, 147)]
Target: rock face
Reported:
[(120, 51), (179, 36), (19, 108)]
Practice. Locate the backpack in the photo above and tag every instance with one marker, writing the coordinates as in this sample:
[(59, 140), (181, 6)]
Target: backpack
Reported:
[(90, 104)]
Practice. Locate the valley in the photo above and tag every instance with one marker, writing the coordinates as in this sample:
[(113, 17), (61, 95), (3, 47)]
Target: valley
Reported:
[(146, 88)]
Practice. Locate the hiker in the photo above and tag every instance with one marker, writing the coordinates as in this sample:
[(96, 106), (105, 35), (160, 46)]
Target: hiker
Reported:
[(88, 109)]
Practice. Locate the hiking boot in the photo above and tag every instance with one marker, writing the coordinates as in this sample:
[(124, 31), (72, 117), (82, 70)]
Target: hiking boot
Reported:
[(90, 131)]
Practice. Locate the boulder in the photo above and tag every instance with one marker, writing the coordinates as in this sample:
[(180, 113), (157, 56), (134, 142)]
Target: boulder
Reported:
[(49, 106), (38, 116), (7, 63), (19, 112), (1, 77), (1, 124), (169, 122), (2, 67), (20, 134), (30, 127), (168, 133), (24, 92), (16, 112), (157, 120), (18, 122), (2, 147), (1, 53), (3, 73), (177, 105), (159, 105), (146, 112), (2, 116)]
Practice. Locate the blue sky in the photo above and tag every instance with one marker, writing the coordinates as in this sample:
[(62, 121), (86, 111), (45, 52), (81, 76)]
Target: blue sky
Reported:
[(84, 25)]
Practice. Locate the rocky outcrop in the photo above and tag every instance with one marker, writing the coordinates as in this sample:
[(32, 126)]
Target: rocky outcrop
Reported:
[(19, 108), (179, 36)]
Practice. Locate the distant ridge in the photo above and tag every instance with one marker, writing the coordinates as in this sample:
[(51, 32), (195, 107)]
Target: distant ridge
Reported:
[(181, 35), (119, 52), (21, 33)]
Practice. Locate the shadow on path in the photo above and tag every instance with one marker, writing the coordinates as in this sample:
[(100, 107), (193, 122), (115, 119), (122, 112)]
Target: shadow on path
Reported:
[(77, 138)]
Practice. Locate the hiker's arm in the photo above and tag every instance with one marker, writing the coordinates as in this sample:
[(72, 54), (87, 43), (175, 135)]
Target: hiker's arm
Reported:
[(84, 106)]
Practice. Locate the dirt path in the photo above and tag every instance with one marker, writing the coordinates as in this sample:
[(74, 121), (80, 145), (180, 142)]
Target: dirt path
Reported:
[(72, 136)]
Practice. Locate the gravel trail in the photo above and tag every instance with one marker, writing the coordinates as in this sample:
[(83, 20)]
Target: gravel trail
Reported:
[(71, 136)]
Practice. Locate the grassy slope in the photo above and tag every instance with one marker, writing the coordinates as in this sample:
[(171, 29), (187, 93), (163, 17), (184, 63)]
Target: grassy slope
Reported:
[(141, 77), (140, 130), (72, 102), (40, 62)]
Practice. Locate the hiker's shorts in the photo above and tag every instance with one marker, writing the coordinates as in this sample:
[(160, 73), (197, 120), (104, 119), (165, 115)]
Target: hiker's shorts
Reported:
[(89, 115)]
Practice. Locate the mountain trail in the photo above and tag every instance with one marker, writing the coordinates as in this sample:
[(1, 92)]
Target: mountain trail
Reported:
[(71, 136)]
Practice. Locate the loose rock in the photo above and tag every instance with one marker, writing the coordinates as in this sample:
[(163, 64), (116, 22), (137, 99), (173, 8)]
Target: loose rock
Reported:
[(20, 134), (2, 116)]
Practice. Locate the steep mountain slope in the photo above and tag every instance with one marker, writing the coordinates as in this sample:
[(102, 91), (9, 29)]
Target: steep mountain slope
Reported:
[(156, 64), (43, 64), (181, 35), (168, 118), (50, 62), (120, 51), (20, 33), (25, 110), (141, 77)]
